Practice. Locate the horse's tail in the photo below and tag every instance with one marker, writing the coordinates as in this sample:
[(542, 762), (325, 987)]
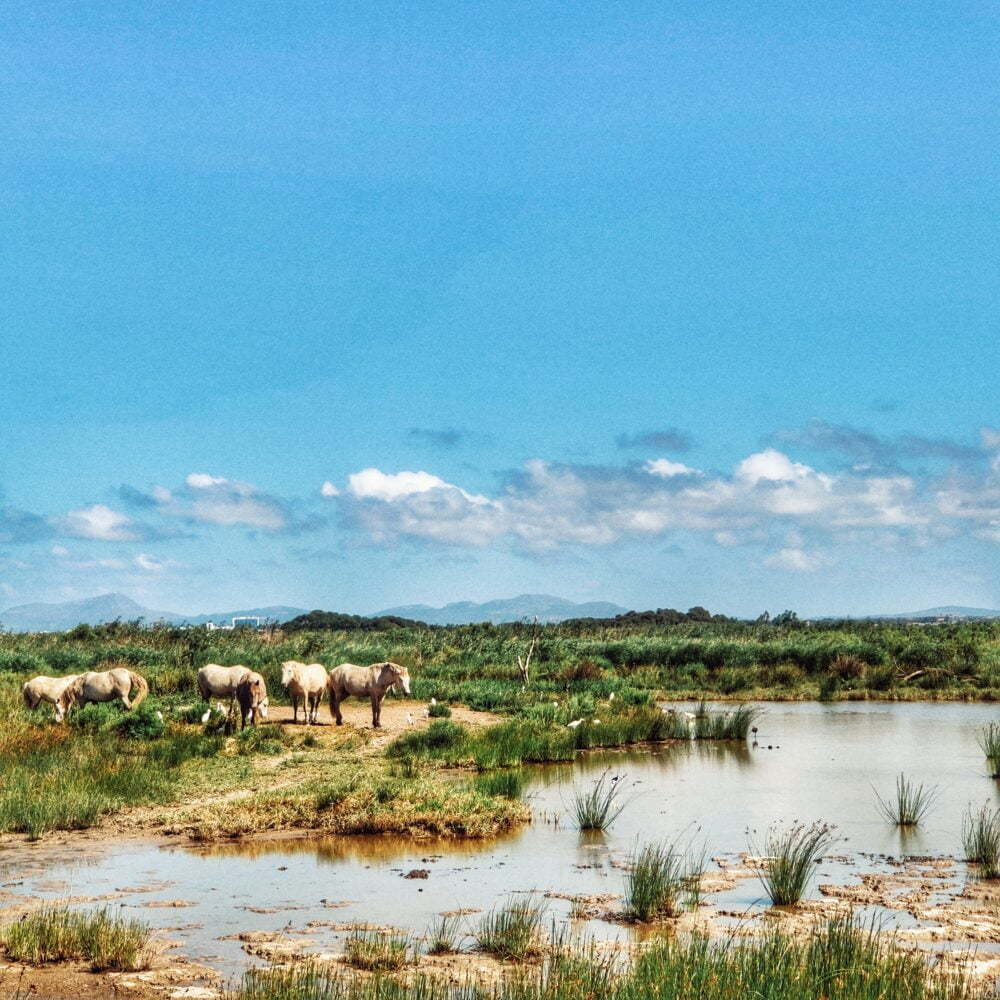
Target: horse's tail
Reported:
[(139, 683), (30, 699)]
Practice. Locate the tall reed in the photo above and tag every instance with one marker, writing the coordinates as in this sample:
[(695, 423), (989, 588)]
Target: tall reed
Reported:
[(599, 807), (660, 879), (513, 931), (981, 840), (788, 857), (989, 743), (910, 804)]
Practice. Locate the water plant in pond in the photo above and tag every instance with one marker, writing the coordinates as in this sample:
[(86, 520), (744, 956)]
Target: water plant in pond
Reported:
[(981, 840), (989, 743), (513, 931), (376, 950), (734, 725), (443, 936), (910, 803), (661, 879), (788, 857), (601, 805), (508, 783), (58, 934)]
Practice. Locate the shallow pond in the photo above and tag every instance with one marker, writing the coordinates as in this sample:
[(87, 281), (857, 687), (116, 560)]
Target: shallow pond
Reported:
[(812, 762)]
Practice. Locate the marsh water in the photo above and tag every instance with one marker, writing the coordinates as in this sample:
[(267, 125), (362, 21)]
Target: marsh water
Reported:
[(811, 762)]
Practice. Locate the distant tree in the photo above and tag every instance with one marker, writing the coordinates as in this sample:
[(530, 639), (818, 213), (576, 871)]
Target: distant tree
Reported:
[(699, 614), (786, 617)]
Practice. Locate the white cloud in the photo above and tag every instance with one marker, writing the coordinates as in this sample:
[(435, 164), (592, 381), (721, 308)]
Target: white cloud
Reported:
[(329, 490), (664, 468), (150, 563), (773, 466), (375, 484), (796, 560), (203, 481), (100, 523)]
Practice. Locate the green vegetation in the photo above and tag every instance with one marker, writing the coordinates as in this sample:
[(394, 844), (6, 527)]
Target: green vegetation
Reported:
[(910, 804), (661, 879), (442, 938), (439, 711), (508, 783), (599, 807), (981, 840), (839, 960), (788, 859), (376, 951), (513, 931), (57, 934), (989, 742)]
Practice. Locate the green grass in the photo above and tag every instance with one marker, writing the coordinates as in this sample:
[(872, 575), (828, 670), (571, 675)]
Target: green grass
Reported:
[(376, 951), (57, 934), (788, 857), (660, 879), (839, 961), (598, 807), (909, 805), (734, 725), (989, 742), (513, 931), (508, 783), (981, 840), (443, 936), (439, 711)]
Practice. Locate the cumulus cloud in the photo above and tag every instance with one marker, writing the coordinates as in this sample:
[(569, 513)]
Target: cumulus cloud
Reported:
[(100, 523), (329, 490), (545, 505), (216, 500), (670, 439)]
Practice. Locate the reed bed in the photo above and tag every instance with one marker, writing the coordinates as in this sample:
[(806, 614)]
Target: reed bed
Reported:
[(661, 879), (787, 859), (58, 934), (598, 807), (507, 784), (981, 840), (443, 935), (989, 743), (840, 960), (377, 951), (513, 931), (910, 803)]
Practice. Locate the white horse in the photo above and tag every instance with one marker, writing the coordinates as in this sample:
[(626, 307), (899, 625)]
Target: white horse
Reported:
[(49, 689), (251, 695), (305, 682), (105, 685), (220, 682), (374, 681)]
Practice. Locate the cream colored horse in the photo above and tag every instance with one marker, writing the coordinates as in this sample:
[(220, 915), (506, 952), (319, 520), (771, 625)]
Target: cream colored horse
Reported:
[(105, 685), (305, 682), (49, 689), (220, 682), (373, 681)]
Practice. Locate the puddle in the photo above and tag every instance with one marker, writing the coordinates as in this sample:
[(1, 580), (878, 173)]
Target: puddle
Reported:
[(821, 765)]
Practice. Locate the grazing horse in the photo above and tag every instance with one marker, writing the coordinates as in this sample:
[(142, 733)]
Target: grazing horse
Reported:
[(49, 689), (374, 681), (305, 682), (251, 696), (220, 682), (105, 685)]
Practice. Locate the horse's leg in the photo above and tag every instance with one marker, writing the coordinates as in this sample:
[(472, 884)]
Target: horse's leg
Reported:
[(376, 710), (125, 699), (335, 707)]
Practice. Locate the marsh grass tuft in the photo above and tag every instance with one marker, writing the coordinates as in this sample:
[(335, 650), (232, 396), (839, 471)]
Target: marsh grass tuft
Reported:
[(57, 933), (981, 840), (662, 878), (989, 743), (507, 784), (910, 804), (442, 938), (599, 807), (513, 931), (438, 711), (788, 858), (377, 951)]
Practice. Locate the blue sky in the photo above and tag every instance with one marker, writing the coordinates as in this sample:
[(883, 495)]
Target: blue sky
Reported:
[(658, 303)]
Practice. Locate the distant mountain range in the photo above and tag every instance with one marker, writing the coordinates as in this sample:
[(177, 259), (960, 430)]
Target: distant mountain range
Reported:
[(544, 607), (947, 611), (108, 607)]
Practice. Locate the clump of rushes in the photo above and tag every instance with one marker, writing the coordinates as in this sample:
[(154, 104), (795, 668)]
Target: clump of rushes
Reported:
[(376, 951), (513, 931), (439, 711), (661, 879), (442, 938), (910, 804), (58, 934), (989, 743), (788, 859), (506, 784), (599, 807), (981, 840), (733, 725)]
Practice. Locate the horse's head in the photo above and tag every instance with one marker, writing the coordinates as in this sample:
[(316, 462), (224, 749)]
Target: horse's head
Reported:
[(394, 674), (288, 670), (259, 696), (70, 698)]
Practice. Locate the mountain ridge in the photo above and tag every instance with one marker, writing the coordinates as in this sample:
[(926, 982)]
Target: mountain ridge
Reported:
[(544, 607)]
